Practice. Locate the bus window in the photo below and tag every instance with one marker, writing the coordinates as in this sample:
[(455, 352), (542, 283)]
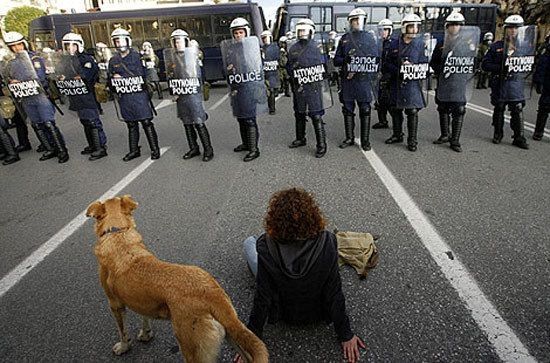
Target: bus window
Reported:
[(115, 24), (470, 14), (322, 17), (378, 13), (395, 14), (86, 33), (293, 22), (135, 28), (198, 28), (342, 24), (101, 33), (43, 39), (151, 32), (167, 26)]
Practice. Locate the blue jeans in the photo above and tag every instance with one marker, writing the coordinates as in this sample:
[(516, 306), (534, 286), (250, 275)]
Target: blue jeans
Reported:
[(251, 254)]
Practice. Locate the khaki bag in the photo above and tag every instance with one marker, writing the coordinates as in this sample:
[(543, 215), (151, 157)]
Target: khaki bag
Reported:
[(357, 250)]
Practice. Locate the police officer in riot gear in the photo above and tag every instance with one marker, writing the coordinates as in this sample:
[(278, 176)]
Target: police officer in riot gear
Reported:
[(407, 64), (283, 60), (127, 77), (453, 63), (358, 55), (382, 104), (151, 64), (26, 77), (507, 80), (243, 66), (271, 54), (482, 50), (541, 79), (77, 73), (307, 68), (183, 70)]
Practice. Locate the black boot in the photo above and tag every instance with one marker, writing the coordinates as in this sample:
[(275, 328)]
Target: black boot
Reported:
[(382, 112), (458, 120), (444, 120), (42, 135), (10, 155), (498, 124), (542, 116), (319, 127), (271, 102), (516, 121), (252, 136), (349, 128), (243, 132), (159, 90), (206, 144), (364, 119), (62, 154), (22, 133), (397, 123), (286, 86), (191, 136), (88, 132), (300, 124), (412, 128), (99, 150), (133, 141), (152, 139)]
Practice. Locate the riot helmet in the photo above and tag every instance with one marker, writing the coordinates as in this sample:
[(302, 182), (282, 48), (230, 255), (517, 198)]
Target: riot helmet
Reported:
[(305, 29), (385, 25), (179, 40), (513, 21), (13, 38), (488, 37), (411, 20), (267, 37), (455, 18), (239, 24), (123, 38), (72, 43), (360, 16)]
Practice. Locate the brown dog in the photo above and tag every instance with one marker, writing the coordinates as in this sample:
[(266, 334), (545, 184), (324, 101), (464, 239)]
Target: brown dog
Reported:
[(199, 309)]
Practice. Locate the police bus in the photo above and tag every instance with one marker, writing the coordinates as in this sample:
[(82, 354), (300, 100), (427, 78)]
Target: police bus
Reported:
[(206, 23), (333, 15)]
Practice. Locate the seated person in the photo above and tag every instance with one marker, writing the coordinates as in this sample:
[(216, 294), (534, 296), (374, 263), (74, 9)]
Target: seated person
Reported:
[(296, 267)]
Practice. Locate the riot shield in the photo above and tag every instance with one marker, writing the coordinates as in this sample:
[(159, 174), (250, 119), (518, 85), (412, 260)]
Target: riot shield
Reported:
[(102, 56), (271, 55), (362, 65), (183, 74), (67, 75), (455, 81), (309, 76), (414, 70), (243, 67), (518, 63), (20, 76)]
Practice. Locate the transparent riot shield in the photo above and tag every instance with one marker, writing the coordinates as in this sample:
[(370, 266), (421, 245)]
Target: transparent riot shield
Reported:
[(309, 76), (183, 74), (243, 68), (362, 65), (518, 63), (21, 79), (67, 75), (271, 55), (102, 56), (414, 70), (455, 81)]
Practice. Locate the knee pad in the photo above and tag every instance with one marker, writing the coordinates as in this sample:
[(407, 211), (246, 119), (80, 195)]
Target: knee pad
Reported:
[(515, 107), (411, 111), (459, 110), (146, 122)]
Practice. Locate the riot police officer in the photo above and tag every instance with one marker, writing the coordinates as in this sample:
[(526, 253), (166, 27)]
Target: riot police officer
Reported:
[(407, 65), (183, 70), (333, 70), (283, 60), (358, 55), (385, 27), (77, 73), (483, 48), (509, 61), (151, 64), (453, 62), (307, 68), (26, 77), (271, 54), (542, 83), (8, 152), (243, 67), (127, 77)]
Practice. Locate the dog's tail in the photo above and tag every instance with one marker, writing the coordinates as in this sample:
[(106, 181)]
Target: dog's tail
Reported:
[(251, 348)]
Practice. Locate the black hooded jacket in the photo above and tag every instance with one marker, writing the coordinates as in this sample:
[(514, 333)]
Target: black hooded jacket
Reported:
[(299, 283)]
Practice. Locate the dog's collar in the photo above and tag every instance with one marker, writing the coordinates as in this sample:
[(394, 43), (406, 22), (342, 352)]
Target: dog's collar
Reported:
[(113, 230)]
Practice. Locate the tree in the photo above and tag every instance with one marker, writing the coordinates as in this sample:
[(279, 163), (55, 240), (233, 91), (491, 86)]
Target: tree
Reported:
[(18, 19)]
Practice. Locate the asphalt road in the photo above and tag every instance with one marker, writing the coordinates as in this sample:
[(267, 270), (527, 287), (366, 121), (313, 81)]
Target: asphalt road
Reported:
[(489, 204)]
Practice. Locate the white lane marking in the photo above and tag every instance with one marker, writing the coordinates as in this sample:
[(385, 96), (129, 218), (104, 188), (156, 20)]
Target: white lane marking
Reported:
[(15, 275), (507, 345), (279, 96), (164, 103), (215, 105)]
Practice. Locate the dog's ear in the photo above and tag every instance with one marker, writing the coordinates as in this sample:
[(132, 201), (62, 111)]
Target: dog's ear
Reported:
[(128, 204), (95, 210)]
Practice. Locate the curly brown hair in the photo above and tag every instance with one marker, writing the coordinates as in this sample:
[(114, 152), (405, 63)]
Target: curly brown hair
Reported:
[(293, 214)]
